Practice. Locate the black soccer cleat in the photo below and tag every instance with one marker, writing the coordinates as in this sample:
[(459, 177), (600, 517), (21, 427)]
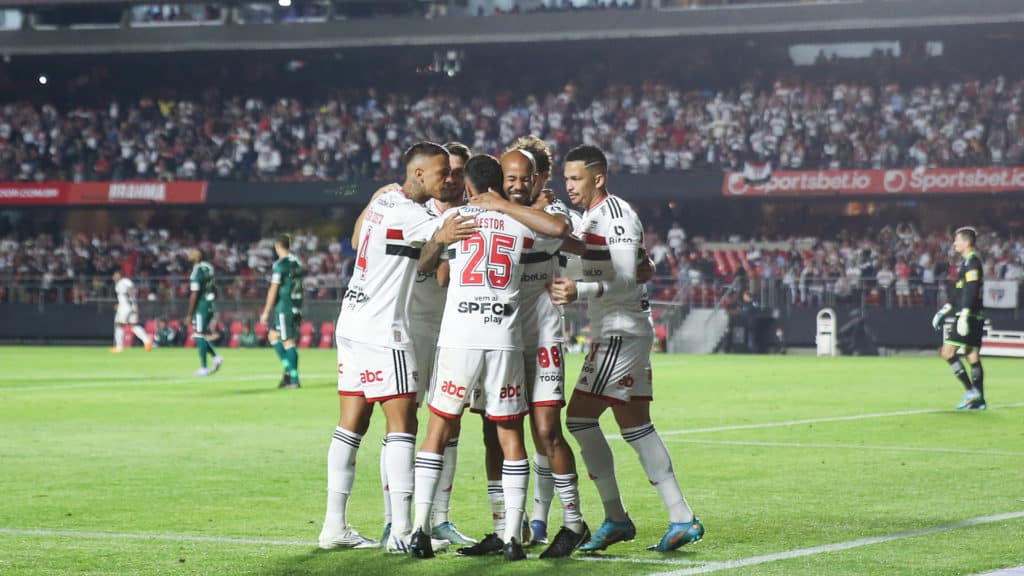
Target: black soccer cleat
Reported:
[(286, 381), (490, 544), (420, 545), (566, 542), (513, 551)]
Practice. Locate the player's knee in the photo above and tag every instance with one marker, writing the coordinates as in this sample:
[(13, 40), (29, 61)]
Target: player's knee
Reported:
[(549, 437)]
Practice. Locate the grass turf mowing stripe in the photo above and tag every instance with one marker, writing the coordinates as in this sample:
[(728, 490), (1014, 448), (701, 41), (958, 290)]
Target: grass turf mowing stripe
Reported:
[(801, 552), (730, 427), (850, 447), (148, 382)]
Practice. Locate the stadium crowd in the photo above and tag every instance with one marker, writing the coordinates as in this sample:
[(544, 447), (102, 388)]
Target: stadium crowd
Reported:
[(897, 266), (646, 128)]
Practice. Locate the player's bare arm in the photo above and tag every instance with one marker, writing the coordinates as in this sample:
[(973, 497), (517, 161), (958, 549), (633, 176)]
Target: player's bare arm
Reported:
[(544, 199), (271, 300), (359, 221), (193, 301), (645, 267), (573, 245), (537, 220), (444, 273), (455, 228)]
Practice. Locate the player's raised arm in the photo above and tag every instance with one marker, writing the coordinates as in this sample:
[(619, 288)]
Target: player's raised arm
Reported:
[(359, 221), (539, 221), (454, 229)]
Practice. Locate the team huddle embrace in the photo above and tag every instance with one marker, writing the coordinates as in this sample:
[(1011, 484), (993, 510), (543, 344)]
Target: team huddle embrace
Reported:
[(455, 300)]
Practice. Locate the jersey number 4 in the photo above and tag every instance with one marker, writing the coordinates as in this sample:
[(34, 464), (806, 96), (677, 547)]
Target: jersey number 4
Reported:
[(489, 256)]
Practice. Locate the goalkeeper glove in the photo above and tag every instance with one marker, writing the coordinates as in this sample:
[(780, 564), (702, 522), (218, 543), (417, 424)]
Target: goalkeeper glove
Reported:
[(940, 316), (961, 322)]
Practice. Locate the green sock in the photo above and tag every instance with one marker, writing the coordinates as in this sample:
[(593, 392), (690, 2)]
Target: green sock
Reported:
[(279, 348), (201, 346), (293, 361)]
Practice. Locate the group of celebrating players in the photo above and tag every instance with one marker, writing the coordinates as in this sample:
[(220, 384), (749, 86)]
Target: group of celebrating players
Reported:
[(455, 299)]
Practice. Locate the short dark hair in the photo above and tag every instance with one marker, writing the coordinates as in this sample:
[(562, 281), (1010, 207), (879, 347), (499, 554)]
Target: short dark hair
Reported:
[(968, 233), (285, 240), (591, 156), (484, 171), (538, 148), (422, 149), (459, 149)]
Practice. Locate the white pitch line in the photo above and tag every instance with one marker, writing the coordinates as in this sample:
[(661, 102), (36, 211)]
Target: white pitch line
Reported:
[(613, 559), (801, 552), (851, 447), (162, 537), (148, 382), (786, 423)]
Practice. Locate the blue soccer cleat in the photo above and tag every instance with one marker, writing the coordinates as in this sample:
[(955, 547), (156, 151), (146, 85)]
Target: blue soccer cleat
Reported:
[(540, 532), (678, 534), (609, 533), (971, 398)]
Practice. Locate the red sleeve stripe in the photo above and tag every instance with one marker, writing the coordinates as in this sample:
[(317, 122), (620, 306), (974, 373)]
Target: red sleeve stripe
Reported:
[(395, 234), (594, 239), (528, 243)]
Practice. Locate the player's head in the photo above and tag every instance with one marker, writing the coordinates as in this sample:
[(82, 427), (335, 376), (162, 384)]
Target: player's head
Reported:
[(541, 156), (964, 239), (459, 154), (519, 169), (282, 244), (117, 275), (428, 172), (195, 256), (483, 172), (586, 174)]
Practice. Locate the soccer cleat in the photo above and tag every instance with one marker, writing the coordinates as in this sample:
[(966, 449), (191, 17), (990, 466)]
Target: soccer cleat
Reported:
[(348, 537), (970, 397), (678, 534), (291, 386), (566, 541), (420, 546), (202, 372), (513, 551), (609, 533), (149, 345), (116, 350), (540, 532), (448, 531), (491, 544), (217, 361), (285, 380), (978, 404), (398, 543)]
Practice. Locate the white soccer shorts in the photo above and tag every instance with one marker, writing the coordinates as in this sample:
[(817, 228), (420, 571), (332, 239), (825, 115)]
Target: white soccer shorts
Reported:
[(497, 375), (618, 370), (377, 373), (126, 316), (544, 370), (424, 341)]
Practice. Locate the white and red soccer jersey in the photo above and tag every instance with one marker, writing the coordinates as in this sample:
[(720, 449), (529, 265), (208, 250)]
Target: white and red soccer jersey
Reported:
[(482, 309), (126, 296), (542, 319), (614, 236), (375, 309), (572, 266), (428, 297)]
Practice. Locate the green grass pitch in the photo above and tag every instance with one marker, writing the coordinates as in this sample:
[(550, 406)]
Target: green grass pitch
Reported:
[(125, 464)]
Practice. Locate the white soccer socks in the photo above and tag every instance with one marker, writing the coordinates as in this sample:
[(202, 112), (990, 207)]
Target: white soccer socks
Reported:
[(341, 474), (543, 488), (399, 462), (657, 463), (429, 468), (597, 456), (496, 498), (515, 476), (443, 495), (568, 489)]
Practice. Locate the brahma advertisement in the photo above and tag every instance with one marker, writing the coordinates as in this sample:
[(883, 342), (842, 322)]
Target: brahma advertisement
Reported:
[(876, 182), (103, 193)]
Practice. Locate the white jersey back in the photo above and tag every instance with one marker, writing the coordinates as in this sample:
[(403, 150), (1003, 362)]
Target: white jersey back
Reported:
[(126, 298), (375, 308), (542, 319), (613, 226), (427, 296), (482, 310)]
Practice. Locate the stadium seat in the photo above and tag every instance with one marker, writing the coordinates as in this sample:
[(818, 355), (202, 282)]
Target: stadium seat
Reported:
[(190, 342), (327, 328), (128, 339), (261, 330), (306, 329), (327, 339), (151, 327), (306, 340), (235, 341), (236, 327)]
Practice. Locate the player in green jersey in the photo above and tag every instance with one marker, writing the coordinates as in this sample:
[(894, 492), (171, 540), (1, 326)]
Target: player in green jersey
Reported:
[(283, 309), (201, 308)]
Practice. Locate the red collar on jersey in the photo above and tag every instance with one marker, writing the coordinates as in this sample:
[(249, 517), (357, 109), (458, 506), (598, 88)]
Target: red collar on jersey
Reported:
[(606, 197)]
